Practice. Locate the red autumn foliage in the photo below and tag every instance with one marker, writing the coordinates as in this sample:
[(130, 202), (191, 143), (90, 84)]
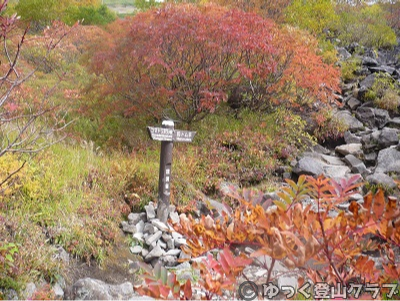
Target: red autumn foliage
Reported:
[(182, 61)]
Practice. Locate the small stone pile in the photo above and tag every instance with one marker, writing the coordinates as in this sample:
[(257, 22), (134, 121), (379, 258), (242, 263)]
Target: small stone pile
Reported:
[(154, 240)]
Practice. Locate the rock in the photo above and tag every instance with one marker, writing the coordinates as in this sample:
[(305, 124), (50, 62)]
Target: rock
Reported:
[(174, 216), (62, 254), (309, 166), (352, 148), (150, 211), (351, 122), (388, 161), (153, 238), (389, 70), (138, 237), (381, 117), (155, 253), (343, 53), (128, 228), (370, 158), (148, 229), (179, 242), (168, 260), (93, 289), (145, 252), (388, 137), (176, 235), (136, 249), (366, 115), (29, 290), (140, 227), (370, 141), (336, 172), (368, 82), (173, 252), (356, 165), (351, 138), (367, 61), (162, 244), (353, 103), (58, 292), (134, 218), (184, 256), (159, 224), (381, 179), (394, 122)]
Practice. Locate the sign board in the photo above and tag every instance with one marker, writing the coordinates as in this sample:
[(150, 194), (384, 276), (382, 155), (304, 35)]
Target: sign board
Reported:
[(168, 134)]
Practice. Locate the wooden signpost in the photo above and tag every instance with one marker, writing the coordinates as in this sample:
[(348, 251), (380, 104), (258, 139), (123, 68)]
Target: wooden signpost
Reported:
[(167, 135)]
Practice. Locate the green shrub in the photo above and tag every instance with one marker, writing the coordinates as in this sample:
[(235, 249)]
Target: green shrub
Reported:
[(349, 68), (385, 93), (89, 15)]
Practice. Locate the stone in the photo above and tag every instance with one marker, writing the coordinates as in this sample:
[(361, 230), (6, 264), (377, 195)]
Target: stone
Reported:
[(366, 115), (353, 103), (184, 256), (140, 227), (176, 235), (368, 61), (179, 242), (389, 70), (309, 166), (29, 290), (138, 237), (173, 252), (368, 82), (351, 122), (356, 165), (352, 148), (145, 252), (381, 117), (93, 289), (148, 229), (370, 158), (168, 260), (159, 224), (343, 53), (153, 238), (150, 211), (394, 122), (136, 249), (388, 161), (174, 217), (134, 218), (128, 228), (351, 138), (162, 244), (381, 179), (62, 254), (388, 137), (332, 160), (336, 172), (155, 253), (58, 292)]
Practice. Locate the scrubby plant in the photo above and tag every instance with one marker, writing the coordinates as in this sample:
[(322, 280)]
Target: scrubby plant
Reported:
[(349, 69), (385, 93)]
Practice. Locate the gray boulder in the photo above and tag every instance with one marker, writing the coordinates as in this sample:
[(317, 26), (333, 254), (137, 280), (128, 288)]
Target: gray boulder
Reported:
[(93, 289), (388, 161)]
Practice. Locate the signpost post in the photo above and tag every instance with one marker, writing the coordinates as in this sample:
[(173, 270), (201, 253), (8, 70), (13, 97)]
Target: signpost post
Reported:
[(167, 135)]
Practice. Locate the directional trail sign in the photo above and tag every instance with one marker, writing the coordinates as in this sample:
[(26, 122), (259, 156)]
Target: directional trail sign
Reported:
[(167, 135)]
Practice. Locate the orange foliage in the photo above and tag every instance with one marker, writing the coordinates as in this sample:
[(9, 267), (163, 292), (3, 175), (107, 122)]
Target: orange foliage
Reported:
[(304, 234)]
